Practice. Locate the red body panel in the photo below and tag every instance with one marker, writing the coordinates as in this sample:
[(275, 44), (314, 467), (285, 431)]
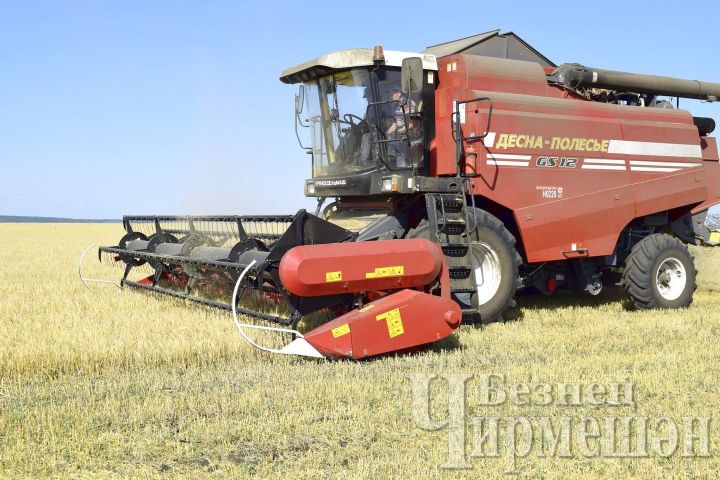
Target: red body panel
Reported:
[(573, 172), (337, 268), (711, 165), (403, 320)]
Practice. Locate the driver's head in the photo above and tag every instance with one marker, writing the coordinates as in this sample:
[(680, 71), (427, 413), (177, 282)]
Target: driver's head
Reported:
[(395, 93)]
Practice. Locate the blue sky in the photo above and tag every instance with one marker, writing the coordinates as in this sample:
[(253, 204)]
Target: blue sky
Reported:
[(175, 107)]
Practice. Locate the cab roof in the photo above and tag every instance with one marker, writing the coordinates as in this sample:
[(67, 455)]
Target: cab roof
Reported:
[(344, 59)]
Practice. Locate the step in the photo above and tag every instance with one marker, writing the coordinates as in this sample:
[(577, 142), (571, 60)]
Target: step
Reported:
[(470, 315), (453, 226), (462, 290), (460, 272), (454, 249), (463, 285), (451, 203)]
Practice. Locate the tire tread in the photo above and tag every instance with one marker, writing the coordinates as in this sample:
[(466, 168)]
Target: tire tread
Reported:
[(637, 276)]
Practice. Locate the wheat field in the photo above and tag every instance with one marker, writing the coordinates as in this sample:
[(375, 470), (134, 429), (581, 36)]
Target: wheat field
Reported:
[(102, 383)]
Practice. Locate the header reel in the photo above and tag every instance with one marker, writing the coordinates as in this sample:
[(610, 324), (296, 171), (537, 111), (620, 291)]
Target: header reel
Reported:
[(369, 298)]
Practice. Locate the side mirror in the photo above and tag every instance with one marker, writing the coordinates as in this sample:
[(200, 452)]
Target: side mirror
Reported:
[(411, 75), (300, 100), (299, 107)]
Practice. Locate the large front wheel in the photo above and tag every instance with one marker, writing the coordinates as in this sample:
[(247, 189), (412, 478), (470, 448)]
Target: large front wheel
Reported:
[(495, 264)]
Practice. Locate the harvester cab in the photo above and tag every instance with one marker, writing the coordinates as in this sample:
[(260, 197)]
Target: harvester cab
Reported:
[(369, 116), (457, 176)]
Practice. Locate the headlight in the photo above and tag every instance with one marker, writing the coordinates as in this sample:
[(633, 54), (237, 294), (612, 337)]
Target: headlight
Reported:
[(391, 184), (309, 188)]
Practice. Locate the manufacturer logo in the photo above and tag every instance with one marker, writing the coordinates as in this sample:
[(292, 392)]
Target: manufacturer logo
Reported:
[(562, 162), (330, 183)]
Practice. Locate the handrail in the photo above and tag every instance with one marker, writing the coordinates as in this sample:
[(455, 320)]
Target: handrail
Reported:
[(456, 128)]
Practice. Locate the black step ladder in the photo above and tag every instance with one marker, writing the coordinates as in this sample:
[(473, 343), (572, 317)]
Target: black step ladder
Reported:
[(451, 222)]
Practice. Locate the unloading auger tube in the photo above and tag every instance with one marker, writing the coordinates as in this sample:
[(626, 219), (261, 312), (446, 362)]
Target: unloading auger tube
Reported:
[(573, 75), (382, 296)]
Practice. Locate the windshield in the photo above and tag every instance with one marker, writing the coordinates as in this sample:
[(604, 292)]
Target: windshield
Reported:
[(346, 135)]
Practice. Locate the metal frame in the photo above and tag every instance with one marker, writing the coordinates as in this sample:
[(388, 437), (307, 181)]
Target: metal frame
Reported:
[(239, 223), (86, 280), (297, 347)]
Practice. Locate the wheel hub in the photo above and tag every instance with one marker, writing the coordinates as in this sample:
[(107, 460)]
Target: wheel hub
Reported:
[(671, 278), (486, 264)]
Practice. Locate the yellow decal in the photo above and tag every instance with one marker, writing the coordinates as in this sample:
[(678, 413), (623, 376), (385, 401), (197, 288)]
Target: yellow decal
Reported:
[(577, 144), (333, 277), (381, 272), (715, 237), (394, 322), (366, 308), (341, 330)]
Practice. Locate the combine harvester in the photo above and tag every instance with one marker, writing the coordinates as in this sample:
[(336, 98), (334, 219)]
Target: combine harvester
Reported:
[(457, 175)]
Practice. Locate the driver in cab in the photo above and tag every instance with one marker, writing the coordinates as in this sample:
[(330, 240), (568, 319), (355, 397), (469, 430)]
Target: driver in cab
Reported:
[(398, 130)]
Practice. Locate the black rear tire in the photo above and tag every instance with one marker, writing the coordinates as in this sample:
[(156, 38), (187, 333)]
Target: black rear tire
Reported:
[(660, 273)]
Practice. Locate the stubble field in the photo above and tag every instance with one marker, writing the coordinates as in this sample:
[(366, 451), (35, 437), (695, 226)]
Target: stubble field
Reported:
[(102, 383)]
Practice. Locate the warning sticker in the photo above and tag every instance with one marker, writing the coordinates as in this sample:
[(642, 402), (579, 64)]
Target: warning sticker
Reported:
[(394, 322), (333, 277), (381, 272), (341, 330)]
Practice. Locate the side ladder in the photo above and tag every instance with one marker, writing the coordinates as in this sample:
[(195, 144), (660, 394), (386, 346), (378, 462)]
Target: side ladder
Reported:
[(450, 220)]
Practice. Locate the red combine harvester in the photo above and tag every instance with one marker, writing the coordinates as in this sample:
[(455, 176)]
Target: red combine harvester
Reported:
[(457, 175)]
